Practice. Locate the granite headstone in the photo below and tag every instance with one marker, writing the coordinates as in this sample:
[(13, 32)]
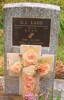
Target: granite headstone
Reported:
[(41, 22)]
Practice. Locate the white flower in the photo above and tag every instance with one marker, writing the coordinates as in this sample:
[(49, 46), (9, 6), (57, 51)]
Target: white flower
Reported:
[(29, 70)]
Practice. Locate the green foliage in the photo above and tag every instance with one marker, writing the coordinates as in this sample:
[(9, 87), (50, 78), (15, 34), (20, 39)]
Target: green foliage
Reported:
[(41, 98), (61, 33), (1, 71), (1, 44), (60, 50), (1, 21), (51, 98), (58, 98), (56, 2), (60, 53), (1, 15)]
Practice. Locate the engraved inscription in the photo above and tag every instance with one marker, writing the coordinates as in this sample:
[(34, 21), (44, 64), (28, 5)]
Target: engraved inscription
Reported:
[(34, 31)]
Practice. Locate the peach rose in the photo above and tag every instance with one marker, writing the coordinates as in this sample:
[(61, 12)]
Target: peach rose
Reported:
[(16, 67), (29, 84), (43, 69), (29, 58)]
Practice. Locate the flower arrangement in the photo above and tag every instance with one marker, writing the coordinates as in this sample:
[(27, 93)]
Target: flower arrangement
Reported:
[(31, 64)]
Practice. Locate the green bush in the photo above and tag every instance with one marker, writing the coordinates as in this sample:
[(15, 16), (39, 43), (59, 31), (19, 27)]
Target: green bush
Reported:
[(1, 18), (61, 33), (1, 43)]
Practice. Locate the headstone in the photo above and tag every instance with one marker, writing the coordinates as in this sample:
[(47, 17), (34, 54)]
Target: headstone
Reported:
[(30, 24), (1, 84), (62, 95)]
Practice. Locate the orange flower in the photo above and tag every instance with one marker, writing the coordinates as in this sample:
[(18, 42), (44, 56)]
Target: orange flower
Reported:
[(16, 67), (29, 83), (43, 69)]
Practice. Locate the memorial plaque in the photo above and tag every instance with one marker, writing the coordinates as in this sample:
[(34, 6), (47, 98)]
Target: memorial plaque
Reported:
[(34, 31)]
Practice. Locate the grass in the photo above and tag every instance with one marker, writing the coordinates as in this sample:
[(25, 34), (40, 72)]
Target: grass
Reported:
[(1, 43), (60, 53), (43, 98), (58, 98)]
